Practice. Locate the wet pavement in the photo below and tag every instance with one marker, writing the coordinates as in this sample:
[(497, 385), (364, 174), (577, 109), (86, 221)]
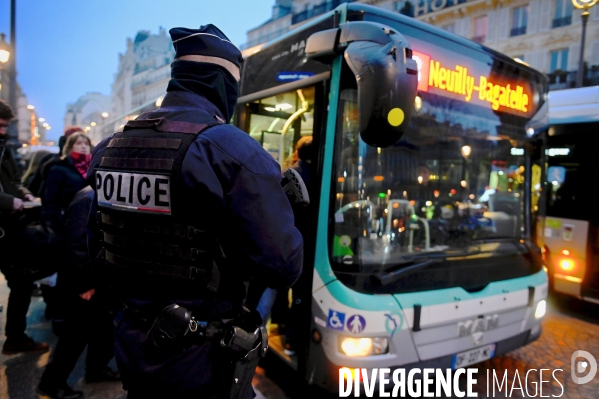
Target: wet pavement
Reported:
[(570, 325), (20, 374)]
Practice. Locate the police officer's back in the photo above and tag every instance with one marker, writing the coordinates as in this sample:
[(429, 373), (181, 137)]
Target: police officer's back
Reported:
[(187, 209)]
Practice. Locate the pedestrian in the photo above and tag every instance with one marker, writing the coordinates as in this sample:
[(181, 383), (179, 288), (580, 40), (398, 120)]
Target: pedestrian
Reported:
[(38, 182), (305, 221), (82, 311), (188, 209), (65, 178), (32, 168), (275, 303), (12, 235), (47, 284)]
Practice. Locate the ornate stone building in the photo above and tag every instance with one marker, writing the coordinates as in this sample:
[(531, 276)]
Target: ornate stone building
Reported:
[(142, 77), (546, 34)]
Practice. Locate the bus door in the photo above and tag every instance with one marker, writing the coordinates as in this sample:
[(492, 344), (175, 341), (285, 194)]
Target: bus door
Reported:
[(281, 123)]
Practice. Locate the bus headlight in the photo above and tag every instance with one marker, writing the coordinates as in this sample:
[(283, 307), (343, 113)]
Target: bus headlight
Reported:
[(541, 309), (363, 346)]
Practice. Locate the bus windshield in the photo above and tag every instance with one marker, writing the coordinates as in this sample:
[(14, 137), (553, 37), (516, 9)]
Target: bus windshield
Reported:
[(450, 194), (443, 187)]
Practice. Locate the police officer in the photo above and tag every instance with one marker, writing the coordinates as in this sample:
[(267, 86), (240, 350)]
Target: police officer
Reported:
[(188, 208)]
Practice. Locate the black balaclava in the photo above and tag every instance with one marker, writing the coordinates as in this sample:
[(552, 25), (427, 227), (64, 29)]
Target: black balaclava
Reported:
[(209, 80)]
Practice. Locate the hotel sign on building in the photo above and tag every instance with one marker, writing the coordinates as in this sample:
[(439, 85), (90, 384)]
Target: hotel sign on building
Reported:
[(425, 7)]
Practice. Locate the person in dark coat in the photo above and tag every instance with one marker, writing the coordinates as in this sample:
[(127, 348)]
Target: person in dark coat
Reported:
[(65, 178), (83, 311), (34, 165), (305, 221), (224, 187), (12, 236), (37, 182)]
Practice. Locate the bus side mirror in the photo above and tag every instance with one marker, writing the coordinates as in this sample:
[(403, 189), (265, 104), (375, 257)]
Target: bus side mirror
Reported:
[(387, 79), (386, 75)]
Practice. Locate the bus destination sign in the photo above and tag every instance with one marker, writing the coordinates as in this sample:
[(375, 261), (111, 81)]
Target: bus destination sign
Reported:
[(458, 80)]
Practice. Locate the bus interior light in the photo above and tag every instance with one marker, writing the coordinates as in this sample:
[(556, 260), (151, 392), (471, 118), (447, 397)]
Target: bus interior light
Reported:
[(566, 252), (541, 309), (359, 347)]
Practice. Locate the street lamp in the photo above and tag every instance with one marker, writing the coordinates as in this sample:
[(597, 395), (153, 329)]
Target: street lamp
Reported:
[(4, 49), (583, 5), (466, 151)]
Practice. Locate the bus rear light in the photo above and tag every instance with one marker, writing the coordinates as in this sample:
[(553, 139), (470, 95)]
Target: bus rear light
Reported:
[(567, 264)]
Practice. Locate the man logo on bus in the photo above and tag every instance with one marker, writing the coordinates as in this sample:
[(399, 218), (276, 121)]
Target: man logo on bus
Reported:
[(336, 320), (356, 324)]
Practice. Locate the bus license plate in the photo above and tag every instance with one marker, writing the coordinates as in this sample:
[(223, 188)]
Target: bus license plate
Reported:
[(472, 356)]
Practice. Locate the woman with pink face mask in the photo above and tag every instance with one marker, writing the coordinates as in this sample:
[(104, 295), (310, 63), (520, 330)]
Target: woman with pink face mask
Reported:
[(65, 177)]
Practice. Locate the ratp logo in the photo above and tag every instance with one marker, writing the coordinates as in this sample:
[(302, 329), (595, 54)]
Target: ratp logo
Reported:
[(581, 366)]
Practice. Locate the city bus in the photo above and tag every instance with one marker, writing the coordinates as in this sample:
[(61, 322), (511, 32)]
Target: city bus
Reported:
[(421, 250), (570, 232)]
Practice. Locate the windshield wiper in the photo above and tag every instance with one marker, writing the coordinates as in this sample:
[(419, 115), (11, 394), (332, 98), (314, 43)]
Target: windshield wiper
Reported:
[(387, 277), (497, 239)]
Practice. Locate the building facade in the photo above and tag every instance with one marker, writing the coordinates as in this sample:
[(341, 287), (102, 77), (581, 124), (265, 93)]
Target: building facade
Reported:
[(30, 130), (546, 34), (88, 112), (278, 24), (142, 76)]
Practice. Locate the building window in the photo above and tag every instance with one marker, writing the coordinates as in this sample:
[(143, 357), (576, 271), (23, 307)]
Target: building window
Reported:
[(404, 7), (519, 20), (559, 60), (449, 28), (563, 13), (480, 29)]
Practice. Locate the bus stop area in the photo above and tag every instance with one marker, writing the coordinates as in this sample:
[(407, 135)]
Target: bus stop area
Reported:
[(20, 374), (570, 325)]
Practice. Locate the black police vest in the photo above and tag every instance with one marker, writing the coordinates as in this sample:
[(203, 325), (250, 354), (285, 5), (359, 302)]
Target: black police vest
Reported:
[(139, 188)]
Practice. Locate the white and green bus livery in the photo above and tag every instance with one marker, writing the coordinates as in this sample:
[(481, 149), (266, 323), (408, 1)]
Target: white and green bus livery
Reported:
[(419, 248)]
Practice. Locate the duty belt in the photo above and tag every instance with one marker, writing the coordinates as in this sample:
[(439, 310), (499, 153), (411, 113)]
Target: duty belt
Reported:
[(198, 328)]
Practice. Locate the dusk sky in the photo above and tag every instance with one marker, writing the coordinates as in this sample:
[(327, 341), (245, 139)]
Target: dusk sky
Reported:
[(66, 48)]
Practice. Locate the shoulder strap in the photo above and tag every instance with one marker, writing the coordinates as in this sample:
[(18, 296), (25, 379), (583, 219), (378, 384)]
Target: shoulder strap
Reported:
[(166, 125)]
